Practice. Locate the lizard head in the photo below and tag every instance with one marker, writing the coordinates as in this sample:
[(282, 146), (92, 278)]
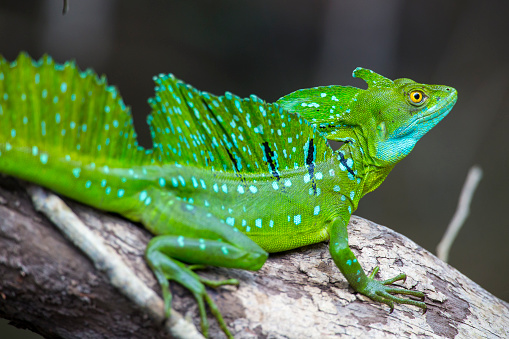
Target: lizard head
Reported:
[(399, 113), (386, 119)]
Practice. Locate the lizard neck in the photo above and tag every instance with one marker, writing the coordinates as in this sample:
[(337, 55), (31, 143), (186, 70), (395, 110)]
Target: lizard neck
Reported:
[(371, 173)]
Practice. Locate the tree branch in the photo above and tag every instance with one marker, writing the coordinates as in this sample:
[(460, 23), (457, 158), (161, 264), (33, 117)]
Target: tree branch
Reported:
[(50, 287)]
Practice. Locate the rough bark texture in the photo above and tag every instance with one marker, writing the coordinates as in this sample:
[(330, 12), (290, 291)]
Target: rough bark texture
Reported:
[(49, 286)]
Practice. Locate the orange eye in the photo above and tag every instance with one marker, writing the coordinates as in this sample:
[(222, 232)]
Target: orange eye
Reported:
[(416, 97)]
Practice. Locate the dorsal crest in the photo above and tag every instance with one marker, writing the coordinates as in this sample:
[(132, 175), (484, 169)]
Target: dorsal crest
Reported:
[(227, 133)]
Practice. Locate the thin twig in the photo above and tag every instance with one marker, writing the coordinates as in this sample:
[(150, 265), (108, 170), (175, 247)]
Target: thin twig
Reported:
[(462, 212), (65, 9)]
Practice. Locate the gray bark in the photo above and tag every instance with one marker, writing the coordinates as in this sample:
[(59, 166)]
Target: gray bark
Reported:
[(50, 287)]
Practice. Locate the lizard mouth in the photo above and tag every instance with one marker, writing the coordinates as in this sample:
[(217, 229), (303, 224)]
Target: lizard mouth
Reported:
[(427, 118)]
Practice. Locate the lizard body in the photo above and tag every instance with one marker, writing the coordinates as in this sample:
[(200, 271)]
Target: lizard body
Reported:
[(228, 179)]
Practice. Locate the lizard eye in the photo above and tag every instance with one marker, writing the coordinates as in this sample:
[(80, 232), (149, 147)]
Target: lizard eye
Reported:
[(417, 97)]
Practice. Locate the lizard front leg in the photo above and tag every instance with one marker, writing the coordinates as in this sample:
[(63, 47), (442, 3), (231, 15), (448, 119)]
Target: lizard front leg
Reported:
[(347, 262)]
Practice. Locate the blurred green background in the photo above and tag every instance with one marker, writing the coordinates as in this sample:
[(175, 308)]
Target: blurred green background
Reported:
[(273, 47)]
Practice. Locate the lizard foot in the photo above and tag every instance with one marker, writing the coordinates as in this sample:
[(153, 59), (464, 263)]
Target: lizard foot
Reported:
[(166, 268), (381, 292)]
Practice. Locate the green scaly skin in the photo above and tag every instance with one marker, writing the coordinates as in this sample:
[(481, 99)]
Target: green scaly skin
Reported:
[(228, 179)]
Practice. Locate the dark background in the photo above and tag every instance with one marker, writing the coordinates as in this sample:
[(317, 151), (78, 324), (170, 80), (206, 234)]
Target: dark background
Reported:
[(273, 47)]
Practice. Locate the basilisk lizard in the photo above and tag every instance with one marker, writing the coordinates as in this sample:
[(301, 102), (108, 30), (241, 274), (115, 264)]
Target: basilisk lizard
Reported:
[(228, 180)]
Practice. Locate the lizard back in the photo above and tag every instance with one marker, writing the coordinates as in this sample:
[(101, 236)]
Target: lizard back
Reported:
[(69, 131)]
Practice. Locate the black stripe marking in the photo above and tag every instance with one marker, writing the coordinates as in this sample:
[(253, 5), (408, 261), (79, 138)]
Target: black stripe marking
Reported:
[(310, 162), (232, 159), (344, 163), (269, 154)]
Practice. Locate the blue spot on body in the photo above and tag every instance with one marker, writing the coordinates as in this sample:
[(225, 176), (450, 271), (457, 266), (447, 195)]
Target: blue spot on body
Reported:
[(162, 182), (297, 219), (76, 172), (195, 182), (230, 221), (143, 195), (202, 244), (44, 158), (174, 182), (180, 241)]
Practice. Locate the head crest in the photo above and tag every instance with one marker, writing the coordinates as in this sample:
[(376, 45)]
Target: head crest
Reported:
[(372, 78)]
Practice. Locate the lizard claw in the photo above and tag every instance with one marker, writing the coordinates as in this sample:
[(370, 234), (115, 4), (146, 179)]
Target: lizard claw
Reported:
[(381, 291)]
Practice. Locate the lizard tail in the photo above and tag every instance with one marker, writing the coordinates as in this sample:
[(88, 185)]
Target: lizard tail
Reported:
[(55, 112), (63, 111)]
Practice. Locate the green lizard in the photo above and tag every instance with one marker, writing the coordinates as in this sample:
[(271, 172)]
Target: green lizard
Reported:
[(228, 179)]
